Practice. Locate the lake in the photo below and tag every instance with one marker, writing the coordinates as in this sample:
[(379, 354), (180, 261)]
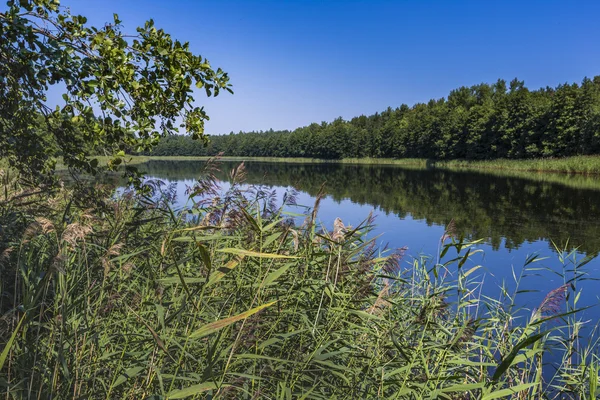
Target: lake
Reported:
[(516, 215)]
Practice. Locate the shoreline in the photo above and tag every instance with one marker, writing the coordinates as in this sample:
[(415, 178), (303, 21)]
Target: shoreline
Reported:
[(578, 165)]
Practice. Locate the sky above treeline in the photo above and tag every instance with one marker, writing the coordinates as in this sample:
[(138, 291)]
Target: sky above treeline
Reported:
[(292, 63)]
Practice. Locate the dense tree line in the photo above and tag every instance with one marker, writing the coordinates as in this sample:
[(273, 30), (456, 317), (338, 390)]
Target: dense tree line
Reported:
[(484, 121)]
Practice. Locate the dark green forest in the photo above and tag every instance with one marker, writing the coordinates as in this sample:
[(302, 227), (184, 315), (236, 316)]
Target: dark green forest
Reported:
[(485, 121)]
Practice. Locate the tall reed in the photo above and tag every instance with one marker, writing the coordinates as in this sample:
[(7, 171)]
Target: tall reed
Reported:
[(231, 296)]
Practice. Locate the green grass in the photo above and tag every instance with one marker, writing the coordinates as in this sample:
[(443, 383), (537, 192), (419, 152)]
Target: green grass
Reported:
[(135, 160), (123, 298), (586, 165)]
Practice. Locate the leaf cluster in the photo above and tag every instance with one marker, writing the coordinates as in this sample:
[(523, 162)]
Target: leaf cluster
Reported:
[(121, 92)]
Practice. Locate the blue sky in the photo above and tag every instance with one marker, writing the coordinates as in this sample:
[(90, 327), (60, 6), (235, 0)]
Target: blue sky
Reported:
[(296, 62)]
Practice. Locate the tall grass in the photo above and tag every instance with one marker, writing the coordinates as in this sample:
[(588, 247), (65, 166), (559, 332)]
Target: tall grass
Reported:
[(228, 297), (587, 165)]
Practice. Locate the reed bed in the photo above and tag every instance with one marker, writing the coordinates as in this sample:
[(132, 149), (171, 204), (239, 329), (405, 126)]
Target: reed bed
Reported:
[(232, 297), (583, 165), (586, 165)]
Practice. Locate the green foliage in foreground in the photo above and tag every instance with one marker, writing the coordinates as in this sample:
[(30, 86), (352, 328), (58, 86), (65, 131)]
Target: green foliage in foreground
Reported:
[(229, 299), (484, 121), (121, 91)]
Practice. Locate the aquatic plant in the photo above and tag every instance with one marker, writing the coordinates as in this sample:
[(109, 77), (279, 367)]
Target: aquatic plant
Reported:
[(233, 296)]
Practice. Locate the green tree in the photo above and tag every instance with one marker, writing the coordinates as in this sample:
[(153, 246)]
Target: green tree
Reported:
[(484, 121), (121, 92)]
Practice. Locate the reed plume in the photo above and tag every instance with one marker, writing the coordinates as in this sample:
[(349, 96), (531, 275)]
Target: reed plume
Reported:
[(552, 303)]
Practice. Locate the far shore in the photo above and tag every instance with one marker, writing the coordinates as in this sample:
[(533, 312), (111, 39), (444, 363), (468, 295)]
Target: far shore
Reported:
[(585, 165)]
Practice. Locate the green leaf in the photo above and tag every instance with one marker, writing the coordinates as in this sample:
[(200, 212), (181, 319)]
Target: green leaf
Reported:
[(507, 361), (469, 272), (269, 239), (465, 387), (273, 276), (128, 256), (464, 259), (222, 271), (174, 280), (217, 325), (193, 390), (128, 374), (10, 342), (250, 253), (203, 238), (509, 392)]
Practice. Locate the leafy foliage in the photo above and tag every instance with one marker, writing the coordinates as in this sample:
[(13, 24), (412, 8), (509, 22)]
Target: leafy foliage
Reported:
[(121, 92)]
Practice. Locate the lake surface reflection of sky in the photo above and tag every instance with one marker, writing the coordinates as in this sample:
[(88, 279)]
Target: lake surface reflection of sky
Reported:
[(514, 215)]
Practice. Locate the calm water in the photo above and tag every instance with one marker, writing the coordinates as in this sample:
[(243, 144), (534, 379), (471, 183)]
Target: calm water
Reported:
[(516, 216)]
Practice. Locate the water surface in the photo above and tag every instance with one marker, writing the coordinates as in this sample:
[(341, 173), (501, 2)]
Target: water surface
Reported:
[(516, 215)]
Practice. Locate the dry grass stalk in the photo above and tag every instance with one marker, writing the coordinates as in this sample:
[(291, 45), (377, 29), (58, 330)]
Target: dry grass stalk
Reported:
[(295, 239), (450, 231), (5, 256), (381, 303), (238, 174), (112, 251), (75, 232), (309, 222), (339, 230), (45, 224), (58, 262)]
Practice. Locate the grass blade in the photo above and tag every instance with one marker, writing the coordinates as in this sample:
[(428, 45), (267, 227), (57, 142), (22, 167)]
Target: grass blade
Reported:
[(217, 325)]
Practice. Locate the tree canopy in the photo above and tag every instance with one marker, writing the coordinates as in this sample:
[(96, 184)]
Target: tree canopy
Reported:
[(120, 92), (484, 121)]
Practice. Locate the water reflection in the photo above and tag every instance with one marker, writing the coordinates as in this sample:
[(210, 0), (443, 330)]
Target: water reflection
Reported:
[(507, 211)]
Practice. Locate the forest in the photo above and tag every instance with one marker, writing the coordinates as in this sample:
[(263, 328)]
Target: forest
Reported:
[(484, 121)]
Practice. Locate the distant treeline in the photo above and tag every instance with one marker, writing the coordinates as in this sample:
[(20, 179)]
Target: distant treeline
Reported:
[(485, 121)]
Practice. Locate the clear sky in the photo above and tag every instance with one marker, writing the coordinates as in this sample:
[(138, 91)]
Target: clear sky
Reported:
[(296, 62)]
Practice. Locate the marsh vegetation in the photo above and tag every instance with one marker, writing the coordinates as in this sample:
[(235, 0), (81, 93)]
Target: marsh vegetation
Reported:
[(229, 298), (138, 291)]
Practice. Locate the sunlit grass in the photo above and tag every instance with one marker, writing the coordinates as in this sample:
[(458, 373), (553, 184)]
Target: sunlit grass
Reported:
[(571, 165)]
